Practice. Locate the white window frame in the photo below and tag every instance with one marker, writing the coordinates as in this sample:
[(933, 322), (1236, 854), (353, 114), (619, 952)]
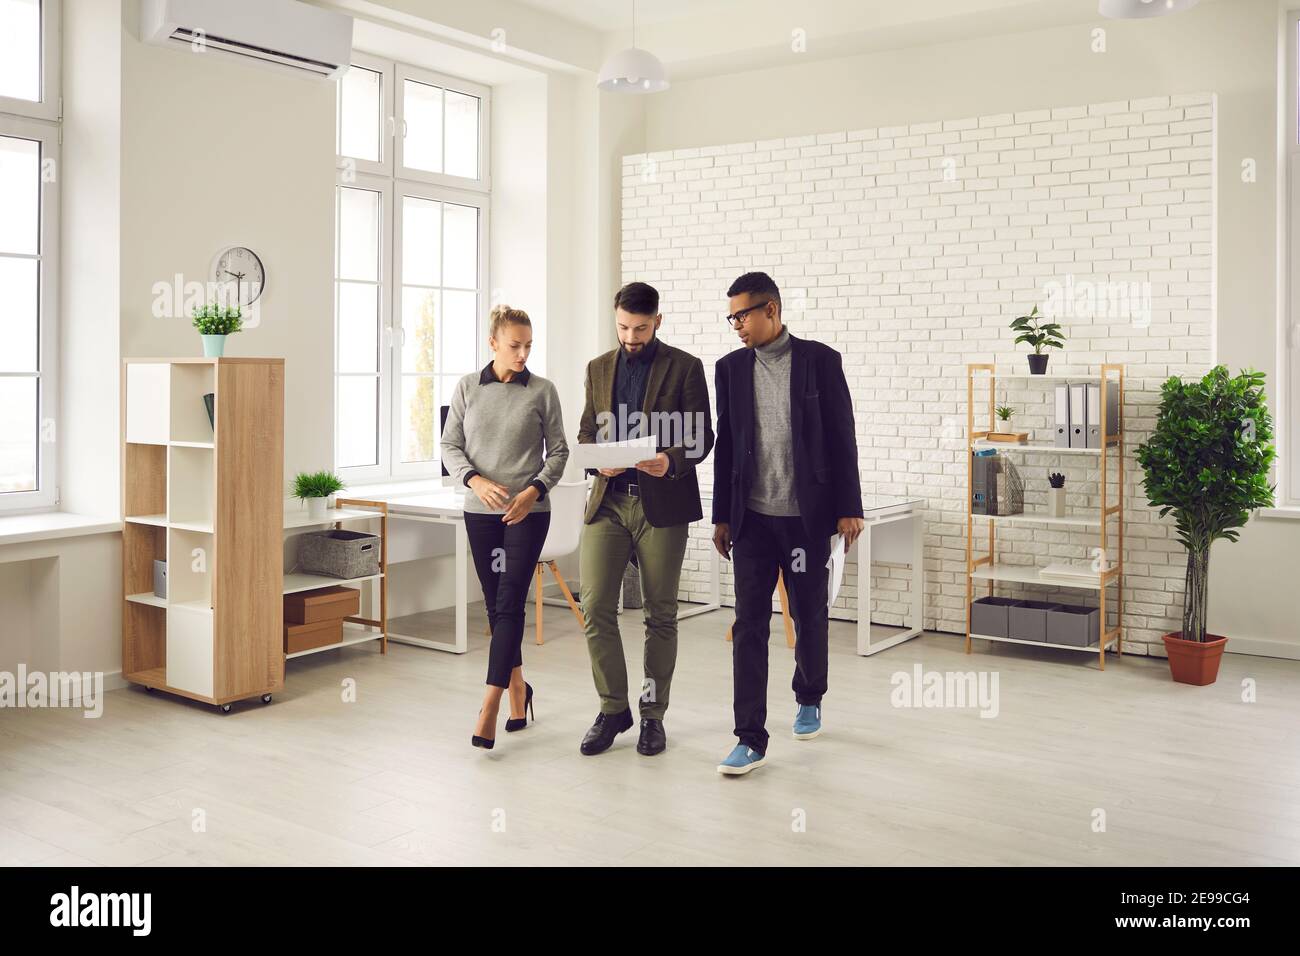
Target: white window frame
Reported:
[(49, 107), (383, 186), (481, 184), (388, 121), (40, 121), (401, 469), (394, 181), (1287, 430)]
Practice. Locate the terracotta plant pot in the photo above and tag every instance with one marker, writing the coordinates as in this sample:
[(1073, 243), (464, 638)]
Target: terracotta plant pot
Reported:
[(1191, 662)]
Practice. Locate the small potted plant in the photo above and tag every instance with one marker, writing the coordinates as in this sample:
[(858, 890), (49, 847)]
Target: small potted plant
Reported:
[(1056, 495), (1207, 462), (1004, 413), (214, 323), (1041, 335), (316, 488)]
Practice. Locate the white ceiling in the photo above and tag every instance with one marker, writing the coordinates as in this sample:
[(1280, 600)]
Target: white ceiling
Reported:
[(607, 15)]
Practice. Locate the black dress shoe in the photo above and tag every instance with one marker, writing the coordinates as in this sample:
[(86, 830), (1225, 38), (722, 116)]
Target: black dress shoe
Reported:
[(603, 732), (652, 739)]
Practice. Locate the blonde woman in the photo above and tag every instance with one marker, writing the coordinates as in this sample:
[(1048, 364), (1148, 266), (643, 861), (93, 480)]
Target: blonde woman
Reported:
[(504, 439)]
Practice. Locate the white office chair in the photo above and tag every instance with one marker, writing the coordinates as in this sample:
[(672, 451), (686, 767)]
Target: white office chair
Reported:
[(568, 502)]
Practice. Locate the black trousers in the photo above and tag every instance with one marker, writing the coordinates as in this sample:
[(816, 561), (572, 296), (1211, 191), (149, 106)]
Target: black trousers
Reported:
[(505, 557), (766, 544)]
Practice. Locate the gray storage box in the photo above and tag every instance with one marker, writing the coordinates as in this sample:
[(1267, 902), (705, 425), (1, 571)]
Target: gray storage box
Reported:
[(988, 616), (160, 579), (1027, 620), (341, 554), (1074, 625)]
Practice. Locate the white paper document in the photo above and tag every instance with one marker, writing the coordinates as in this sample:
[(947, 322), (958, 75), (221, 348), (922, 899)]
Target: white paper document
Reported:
[(836, 567), (615, 454)]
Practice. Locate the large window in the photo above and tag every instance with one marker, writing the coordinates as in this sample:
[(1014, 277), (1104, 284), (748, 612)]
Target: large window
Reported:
[(410, 261), (29, 135)]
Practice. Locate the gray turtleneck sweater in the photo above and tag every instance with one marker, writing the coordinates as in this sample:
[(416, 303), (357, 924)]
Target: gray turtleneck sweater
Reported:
[(773, 489)]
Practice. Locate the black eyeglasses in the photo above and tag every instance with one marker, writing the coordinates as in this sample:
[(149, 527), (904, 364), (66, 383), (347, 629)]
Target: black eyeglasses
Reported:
[(736, 318)]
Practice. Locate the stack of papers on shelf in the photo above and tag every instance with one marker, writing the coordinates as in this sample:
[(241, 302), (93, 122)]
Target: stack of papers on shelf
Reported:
[(1069, 570)]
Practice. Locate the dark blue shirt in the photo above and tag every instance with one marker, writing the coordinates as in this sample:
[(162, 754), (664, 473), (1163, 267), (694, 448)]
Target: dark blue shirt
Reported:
[(631, 373), (630, 376)]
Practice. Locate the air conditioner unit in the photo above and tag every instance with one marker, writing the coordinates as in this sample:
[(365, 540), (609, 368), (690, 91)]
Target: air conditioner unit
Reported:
[(284, 34)]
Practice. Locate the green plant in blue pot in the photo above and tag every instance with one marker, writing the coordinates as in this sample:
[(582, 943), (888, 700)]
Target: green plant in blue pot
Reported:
[(214, 323), (1207, 463)]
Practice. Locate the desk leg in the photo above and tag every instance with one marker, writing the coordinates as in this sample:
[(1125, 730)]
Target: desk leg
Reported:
[(715, 590), (462, 588), (917, 623), (866, 646), (864, 591)]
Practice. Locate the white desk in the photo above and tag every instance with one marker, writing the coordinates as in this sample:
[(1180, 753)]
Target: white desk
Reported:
[(437, 506), (892, 533)]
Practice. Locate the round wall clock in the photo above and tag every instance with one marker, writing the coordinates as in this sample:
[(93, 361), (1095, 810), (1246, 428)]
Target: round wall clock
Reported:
[(238, 272)]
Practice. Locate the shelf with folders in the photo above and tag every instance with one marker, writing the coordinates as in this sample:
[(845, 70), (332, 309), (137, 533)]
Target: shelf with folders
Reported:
[(1098, 417)]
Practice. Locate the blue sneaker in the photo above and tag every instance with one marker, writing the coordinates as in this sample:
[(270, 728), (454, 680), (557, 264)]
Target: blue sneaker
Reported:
[(741, 760), (808, 722)]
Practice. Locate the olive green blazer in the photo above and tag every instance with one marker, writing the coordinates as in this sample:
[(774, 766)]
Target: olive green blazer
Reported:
[(676, 384)]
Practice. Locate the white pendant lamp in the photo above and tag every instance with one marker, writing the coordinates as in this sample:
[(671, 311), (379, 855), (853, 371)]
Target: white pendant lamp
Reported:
[(1139, 9), (633, 70)]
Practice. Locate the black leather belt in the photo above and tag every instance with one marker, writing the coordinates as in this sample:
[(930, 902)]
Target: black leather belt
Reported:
[(625, 487)]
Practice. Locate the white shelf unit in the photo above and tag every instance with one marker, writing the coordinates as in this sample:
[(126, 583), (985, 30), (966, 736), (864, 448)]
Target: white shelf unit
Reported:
[(357, 629), (987, 570), (204, 495)]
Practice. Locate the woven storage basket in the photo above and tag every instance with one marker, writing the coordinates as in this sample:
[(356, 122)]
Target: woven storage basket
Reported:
[(341, 554)]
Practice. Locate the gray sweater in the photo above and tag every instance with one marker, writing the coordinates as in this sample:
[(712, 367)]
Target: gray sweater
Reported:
[(773, 489), (510, 432)]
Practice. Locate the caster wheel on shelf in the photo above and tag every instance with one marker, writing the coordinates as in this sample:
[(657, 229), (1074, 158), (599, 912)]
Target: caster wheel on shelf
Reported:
[(225, 708), (148, 690), (266, 698)]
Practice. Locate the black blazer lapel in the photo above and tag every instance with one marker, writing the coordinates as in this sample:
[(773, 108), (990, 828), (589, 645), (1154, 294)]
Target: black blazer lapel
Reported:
[(798, 383), (742, 404)]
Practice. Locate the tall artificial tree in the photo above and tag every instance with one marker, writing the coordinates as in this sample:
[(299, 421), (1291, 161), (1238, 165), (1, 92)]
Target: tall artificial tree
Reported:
[(1207, 463)]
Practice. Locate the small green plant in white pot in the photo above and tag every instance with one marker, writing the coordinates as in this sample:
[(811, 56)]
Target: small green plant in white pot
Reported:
[(214, 323), (316, 488), (1004, 413)]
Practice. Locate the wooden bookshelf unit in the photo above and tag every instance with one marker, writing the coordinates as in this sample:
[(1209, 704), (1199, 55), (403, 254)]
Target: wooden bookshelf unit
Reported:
[(1106, 520), (206, 498)]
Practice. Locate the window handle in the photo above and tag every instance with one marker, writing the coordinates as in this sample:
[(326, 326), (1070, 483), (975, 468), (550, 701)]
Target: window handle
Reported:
[(391, 123), (403, 129)]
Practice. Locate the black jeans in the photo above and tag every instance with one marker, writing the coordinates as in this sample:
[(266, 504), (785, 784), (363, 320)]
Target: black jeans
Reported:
[(505, 557), (766, 544)]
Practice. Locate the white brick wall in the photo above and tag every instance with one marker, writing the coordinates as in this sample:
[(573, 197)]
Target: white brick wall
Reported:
[(910, 249)]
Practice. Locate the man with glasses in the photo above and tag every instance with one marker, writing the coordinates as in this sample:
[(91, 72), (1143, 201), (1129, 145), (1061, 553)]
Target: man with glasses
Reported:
[(785, 479), (643, 387)]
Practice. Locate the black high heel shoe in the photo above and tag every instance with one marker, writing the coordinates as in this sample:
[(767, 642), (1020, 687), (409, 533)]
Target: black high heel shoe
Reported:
[(484, 742), (513, 724)]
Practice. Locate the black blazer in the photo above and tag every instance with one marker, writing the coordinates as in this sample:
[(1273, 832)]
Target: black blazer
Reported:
[(826, 480)]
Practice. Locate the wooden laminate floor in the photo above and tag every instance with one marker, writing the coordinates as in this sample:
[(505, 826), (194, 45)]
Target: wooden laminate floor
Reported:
[(1078, 767)]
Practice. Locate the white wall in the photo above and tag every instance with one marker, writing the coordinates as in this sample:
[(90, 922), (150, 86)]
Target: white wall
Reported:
[(909, 249), (216, 153), (90, 203), (1228, 49)]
